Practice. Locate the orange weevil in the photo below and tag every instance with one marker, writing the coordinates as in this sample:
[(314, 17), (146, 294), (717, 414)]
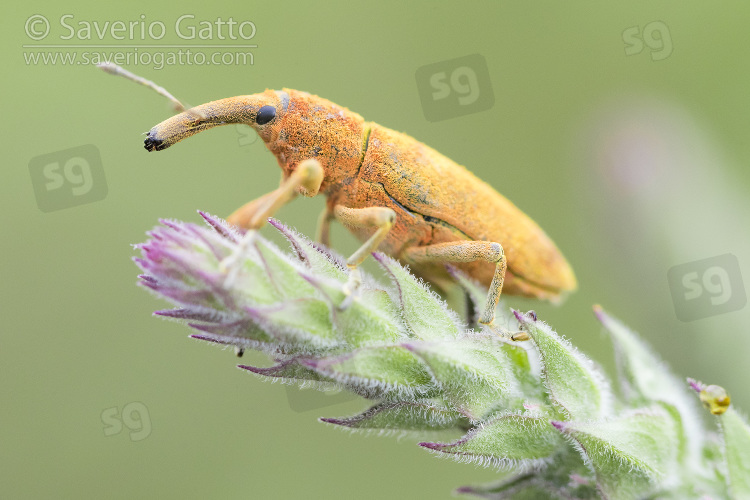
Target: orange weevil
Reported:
[(394, 193)]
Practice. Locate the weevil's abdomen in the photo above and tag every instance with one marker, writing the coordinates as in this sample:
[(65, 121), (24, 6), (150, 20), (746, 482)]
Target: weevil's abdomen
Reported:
[(438, 200)]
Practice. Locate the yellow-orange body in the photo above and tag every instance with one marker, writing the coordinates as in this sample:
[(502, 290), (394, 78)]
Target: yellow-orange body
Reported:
[(368, 165)]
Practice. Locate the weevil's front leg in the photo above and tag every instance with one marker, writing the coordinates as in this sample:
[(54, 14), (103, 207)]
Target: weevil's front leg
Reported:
[(244, 215), (383, 219), (307, 177), (468, 251)]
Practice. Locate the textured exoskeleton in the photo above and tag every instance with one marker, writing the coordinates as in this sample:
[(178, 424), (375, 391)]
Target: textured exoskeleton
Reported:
[(398, 195)]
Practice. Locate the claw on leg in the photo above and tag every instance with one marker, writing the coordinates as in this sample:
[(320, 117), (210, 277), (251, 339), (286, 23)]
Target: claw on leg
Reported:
[(518, 336), (351, 287)]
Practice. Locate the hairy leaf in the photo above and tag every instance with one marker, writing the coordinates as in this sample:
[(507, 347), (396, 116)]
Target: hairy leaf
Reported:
[(511, 440), (571, 378)]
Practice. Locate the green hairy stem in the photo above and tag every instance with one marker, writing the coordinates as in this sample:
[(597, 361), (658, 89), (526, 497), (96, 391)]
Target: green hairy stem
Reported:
[(539, 411)]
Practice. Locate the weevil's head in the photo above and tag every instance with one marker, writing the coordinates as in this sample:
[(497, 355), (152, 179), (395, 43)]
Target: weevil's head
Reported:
[(294, 125)]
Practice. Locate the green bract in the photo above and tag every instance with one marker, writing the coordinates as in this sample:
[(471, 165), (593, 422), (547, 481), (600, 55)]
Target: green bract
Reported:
[(539, 411)]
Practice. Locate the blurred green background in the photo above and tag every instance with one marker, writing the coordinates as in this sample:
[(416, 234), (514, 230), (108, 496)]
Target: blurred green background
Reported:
[(632, 163)]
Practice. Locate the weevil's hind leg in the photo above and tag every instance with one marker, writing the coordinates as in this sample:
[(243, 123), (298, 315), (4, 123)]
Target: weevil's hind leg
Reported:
[(307, 178), (470, 251), (381, 218)]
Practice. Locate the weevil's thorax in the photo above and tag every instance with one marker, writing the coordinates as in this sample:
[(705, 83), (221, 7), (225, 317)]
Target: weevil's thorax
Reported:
[(309, 126)]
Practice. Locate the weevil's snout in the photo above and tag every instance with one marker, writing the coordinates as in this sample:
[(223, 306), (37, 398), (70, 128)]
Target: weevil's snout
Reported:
[(179, 127), (153, 143), (252, 110)]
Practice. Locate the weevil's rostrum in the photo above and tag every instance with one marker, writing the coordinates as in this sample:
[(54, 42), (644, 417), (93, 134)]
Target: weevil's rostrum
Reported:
[(443, 213)]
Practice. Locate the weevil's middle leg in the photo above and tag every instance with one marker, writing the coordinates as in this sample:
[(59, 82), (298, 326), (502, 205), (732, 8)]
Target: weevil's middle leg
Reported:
[(324, 227), (468, 251), (308, 176), (383, 219)]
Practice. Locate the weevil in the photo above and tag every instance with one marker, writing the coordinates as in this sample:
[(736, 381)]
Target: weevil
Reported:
[(396, 194)]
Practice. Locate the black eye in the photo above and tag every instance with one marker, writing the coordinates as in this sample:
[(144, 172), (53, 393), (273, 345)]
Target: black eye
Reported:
[(265, 115)]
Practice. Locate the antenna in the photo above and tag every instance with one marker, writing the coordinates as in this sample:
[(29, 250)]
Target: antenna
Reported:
[(114, 69)]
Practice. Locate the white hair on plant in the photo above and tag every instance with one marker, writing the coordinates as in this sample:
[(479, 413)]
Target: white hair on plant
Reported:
[(540, 408)]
